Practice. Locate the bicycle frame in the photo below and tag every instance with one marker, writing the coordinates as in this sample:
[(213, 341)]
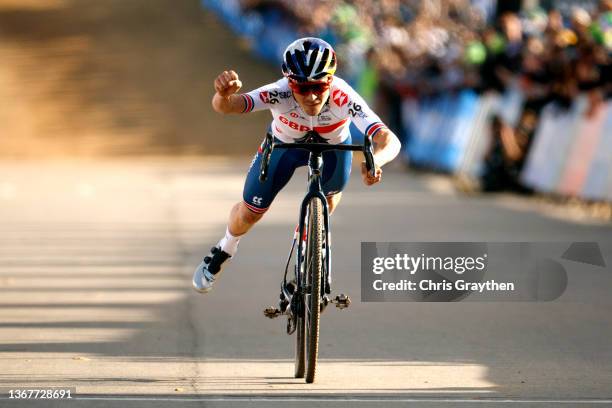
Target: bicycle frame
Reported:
[(304, 302), (315, 145)]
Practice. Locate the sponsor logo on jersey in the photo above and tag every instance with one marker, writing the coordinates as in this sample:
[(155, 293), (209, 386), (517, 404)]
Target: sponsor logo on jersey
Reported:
[(285, 94), (325, 118), (293, 125), (294, 115), (339, 98), (356, 110), (304, 128), (269, 97)]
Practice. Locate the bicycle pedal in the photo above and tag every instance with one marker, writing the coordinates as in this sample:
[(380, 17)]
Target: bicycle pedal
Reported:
[(342, 301), (272, 312)]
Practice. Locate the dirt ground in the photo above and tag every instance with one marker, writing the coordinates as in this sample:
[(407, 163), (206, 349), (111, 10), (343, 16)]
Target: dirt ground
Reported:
[(112, 77)]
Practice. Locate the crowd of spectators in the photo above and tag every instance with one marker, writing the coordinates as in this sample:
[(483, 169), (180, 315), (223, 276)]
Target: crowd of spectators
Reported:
[(393, 49)]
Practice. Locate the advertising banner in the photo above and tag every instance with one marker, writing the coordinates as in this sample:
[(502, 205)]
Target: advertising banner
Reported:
[(581, 153), (479, 138), (598, 183), (464, 121), (537, 166)]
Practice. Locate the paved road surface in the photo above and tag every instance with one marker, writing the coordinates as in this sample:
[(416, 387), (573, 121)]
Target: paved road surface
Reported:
[(96, 261)]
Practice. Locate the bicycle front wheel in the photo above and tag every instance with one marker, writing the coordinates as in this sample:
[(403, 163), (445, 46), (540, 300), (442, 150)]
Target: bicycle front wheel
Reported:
[(300, 340), (312, 298)]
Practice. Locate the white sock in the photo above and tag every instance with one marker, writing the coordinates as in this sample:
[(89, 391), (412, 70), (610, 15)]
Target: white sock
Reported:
[(229, 243)]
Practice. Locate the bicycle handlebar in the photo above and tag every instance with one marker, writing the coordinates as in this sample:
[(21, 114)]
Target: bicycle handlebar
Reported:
[(269, 146)]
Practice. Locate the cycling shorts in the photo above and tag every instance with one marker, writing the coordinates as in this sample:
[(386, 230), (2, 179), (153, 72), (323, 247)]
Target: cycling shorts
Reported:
[(258, 196)]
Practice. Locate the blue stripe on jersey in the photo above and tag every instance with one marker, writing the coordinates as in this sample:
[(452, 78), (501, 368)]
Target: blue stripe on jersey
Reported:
[(375, 124)]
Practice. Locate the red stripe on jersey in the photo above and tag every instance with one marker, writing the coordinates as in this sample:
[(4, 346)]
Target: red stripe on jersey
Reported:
[(376, 131), (330, 128), (248, 103), (375, 128), (255, 209)]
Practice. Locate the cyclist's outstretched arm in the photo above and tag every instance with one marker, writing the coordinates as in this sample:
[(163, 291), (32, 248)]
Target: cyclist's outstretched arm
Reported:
[(225, 99), (386, 146), (228, 100)]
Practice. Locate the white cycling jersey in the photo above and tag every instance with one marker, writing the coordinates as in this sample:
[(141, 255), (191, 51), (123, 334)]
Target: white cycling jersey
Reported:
[(291, 123)]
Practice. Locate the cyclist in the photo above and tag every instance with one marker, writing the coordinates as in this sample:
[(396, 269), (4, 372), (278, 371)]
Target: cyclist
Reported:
[(308, 98)]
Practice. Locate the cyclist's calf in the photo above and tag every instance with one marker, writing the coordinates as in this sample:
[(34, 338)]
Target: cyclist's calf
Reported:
[(242, 219)]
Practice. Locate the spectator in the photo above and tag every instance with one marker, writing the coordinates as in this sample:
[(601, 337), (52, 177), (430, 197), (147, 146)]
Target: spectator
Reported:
[(395, 49)]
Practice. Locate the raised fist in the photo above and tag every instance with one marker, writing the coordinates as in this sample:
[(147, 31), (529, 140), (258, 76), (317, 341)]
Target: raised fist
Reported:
[(227, 83)]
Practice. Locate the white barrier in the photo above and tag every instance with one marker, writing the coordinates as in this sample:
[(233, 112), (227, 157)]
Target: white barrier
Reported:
[(598, 182), (479, 139), (582, 152), (572, 152)]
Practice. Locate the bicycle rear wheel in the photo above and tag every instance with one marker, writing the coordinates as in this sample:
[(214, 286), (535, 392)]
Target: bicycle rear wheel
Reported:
[(312, 298)]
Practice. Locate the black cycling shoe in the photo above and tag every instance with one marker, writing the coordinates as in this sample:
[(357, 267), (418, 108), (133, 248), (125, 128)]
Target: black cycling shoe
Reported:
[(216, 259), (207, 271)]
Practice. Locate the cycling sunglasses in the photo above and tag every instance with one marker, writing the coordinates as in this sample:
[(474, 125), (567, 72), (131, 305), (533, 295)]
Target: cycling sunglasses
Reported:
[(305, 88)]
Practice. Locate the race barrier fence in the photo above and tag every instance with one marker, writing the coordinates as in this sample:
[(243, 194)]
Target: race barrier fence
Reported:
[(571, 154)]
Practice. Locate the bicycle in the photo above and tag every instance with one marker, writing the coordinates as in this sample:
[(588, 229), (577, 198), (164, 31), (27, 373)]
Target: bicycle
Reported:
[(304, 298)]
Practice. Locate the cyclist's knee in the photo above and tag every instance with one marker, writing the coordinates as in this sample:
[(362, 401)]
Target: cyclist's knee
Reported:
[(247, 215)]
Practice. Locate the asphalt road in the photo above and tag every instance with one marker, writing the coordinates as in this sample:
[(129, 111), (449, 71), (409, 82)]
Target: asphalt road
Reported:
[(95, 267)]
